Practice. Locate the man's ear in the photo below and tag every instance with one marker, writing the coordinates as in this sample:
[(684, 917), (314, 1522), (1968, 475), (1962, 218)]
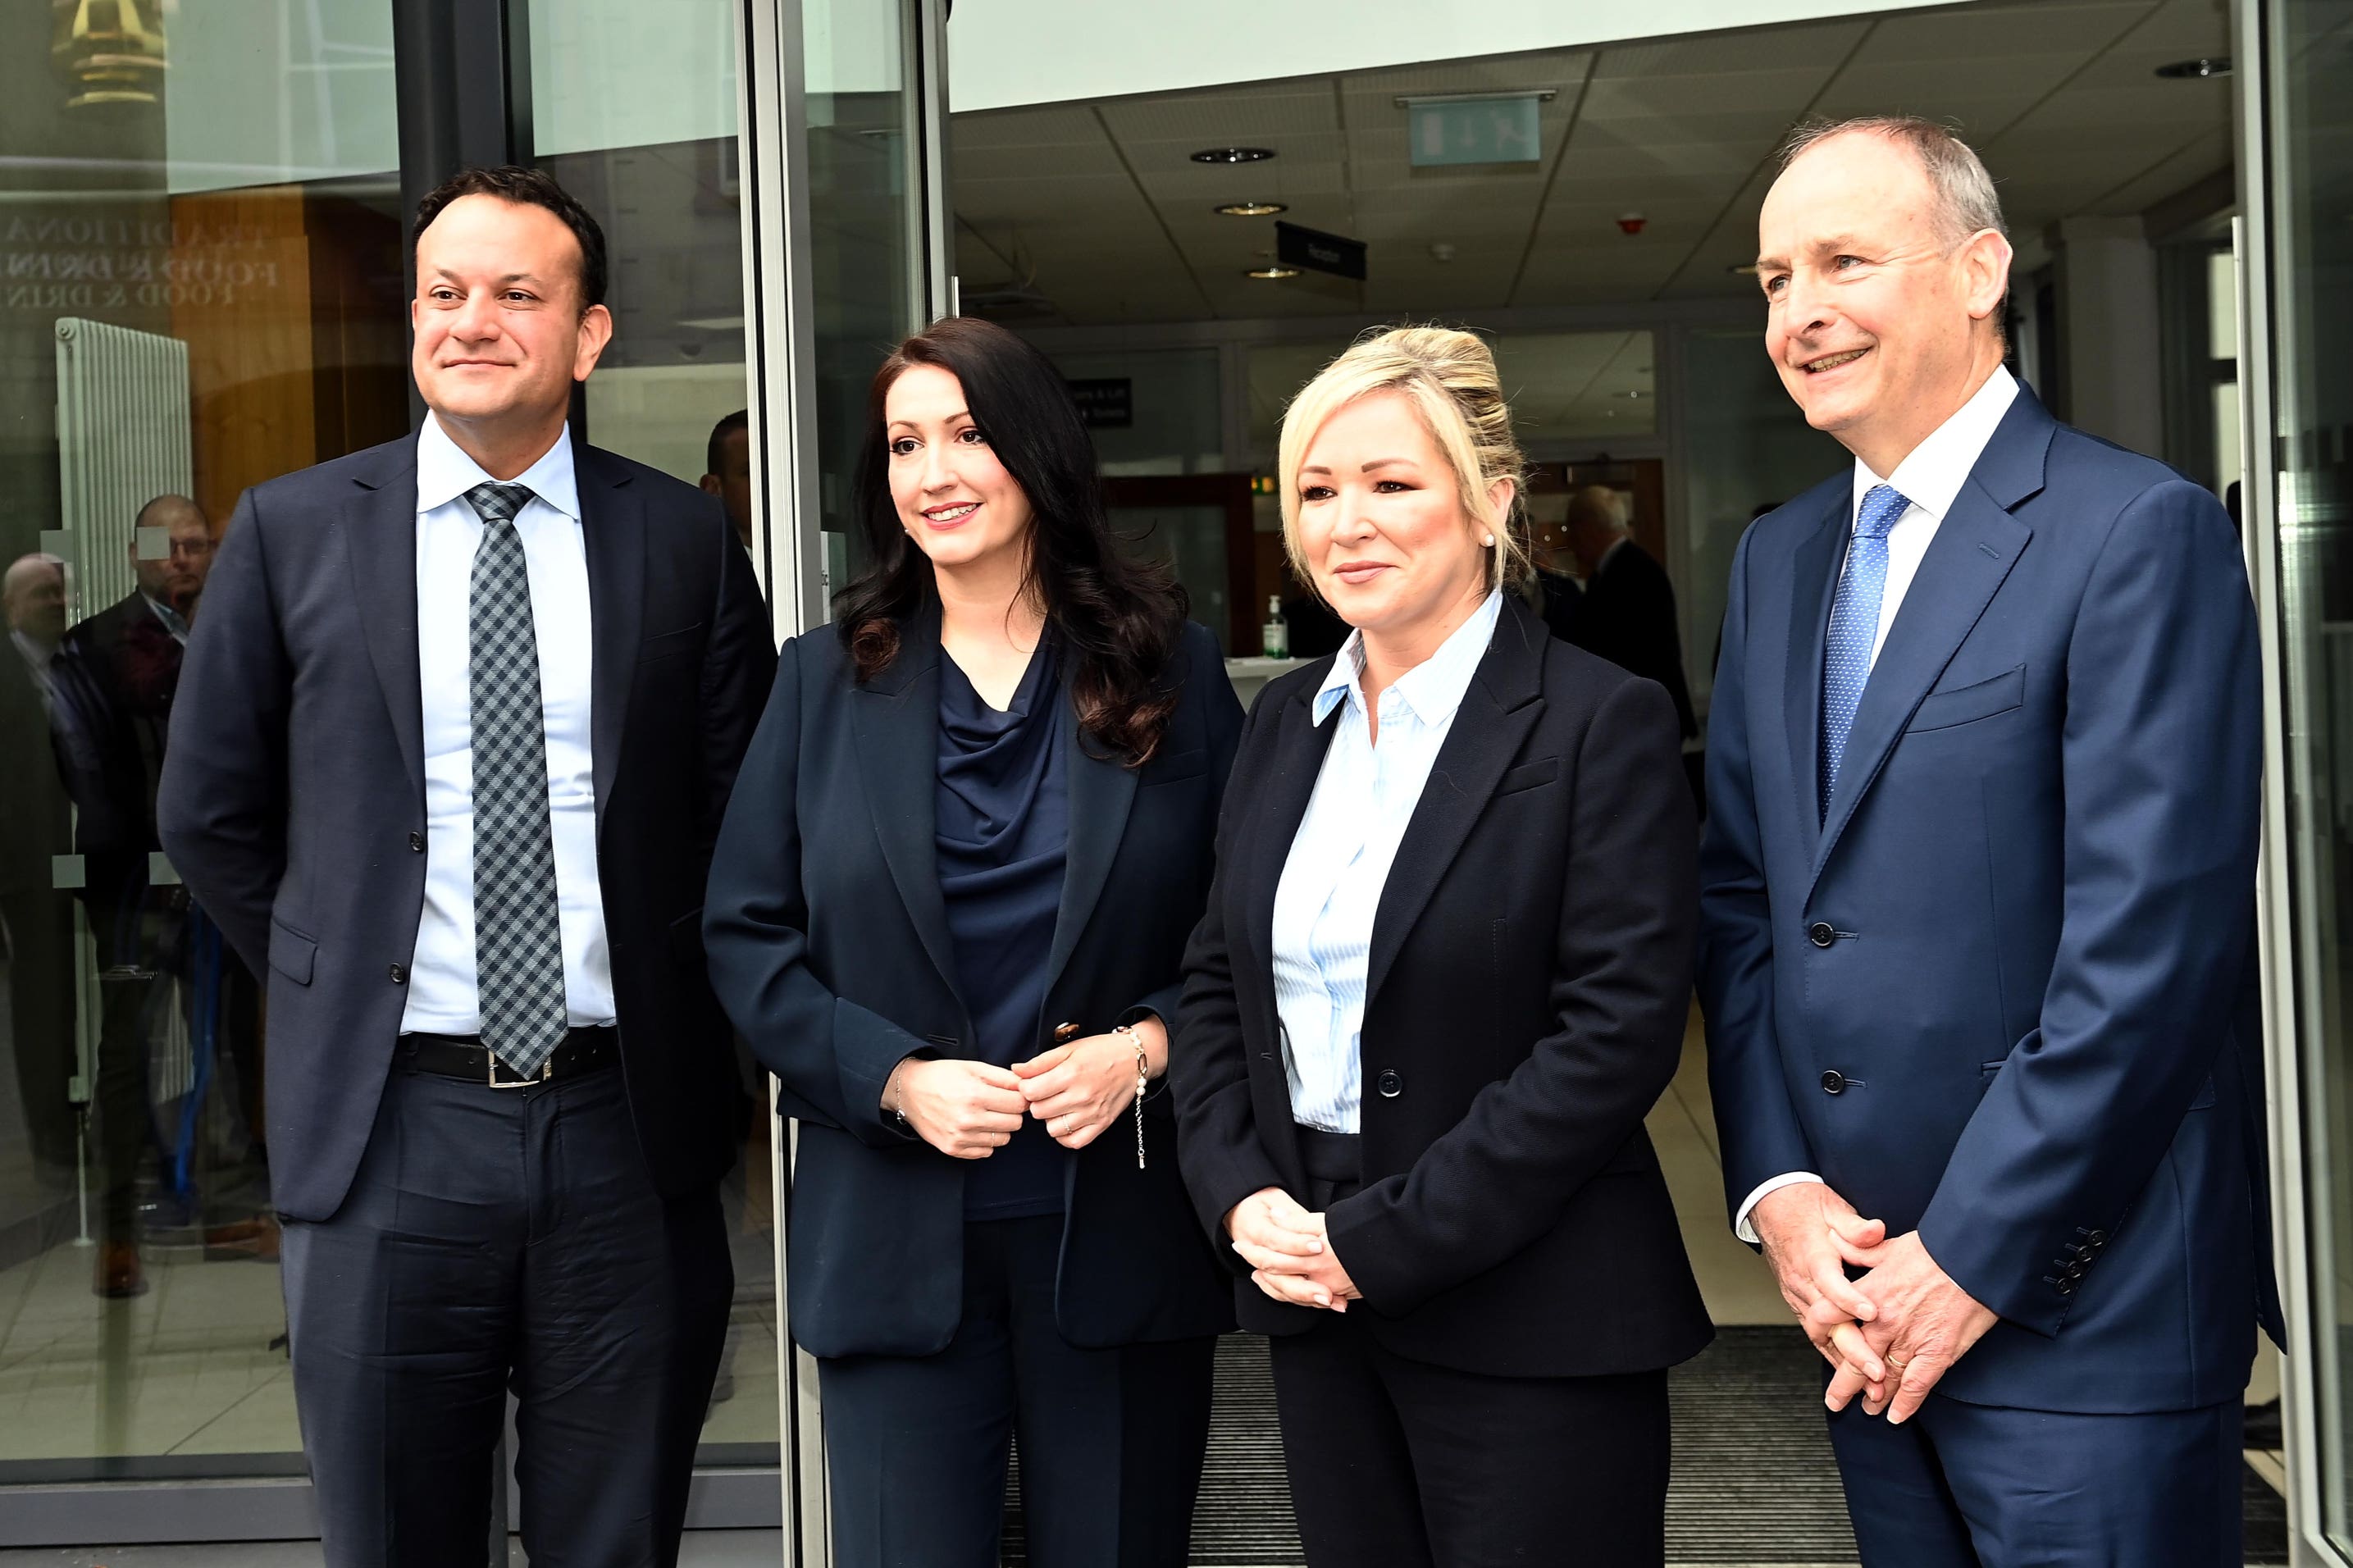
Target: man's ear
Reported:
[(1985, 272), (596, 331)]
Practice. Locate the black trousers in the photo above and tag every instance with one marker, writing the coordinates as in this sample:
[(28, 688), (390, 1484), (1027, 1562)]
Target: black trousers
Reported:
[(499, 1239), (1111, 1441), (1396, 1463)]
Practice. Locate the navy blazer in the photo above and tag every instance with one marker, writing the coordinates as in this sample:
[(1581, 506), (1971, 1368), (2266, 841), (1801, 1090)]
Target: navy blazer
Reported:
[(2000, 991), (292, 800), (829, 947), (1528, 990)]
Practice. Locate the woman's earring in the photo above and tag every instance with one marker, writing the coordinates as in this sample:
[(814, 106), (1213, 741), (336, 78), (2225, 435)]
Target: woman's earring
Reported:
[(1487, 542)]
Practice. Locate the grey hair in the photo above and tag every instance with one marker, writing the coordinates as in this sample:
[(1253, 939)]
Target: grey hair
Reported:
[(1966, 202)]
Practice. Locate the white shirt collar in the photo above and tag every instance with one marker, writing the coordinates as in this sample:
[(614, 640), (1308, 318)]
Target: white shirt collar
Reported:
[(1935, 469), (1432, 688), (38, 655), (444, 472)]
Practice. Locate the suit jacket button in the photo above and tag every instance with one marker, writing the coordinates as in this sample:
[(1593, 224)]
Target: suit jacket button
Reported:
[(2098, 1238), (416, 843), (1821, 934), (1833, 1082), (2066, 1286), (1391, 1083), (400, 974)]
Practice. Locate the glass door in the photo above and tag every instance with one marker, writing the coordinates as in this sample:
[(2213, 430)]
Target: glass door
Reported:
[(847, 102)]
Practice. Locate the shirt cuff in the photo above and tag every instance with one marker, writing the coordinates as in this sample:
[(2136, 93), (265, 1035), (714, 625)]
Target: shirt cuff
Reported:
[(1740, 1225)]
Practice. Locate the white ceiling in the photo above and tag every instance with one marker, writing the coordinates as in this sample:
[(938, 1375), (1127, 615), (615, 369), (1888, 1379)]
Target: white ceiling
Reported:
[(1095, 210)]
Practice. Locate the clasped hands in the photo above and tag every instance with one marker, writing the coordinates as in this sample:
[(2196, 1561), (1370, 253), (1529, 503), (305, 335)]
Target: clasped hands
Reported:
[(1288, 1253), (1889, 1335), (970, 1109)]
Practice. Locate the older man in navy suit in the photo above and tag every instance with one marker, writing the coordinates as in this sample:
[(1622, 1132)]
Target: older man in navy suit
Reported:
[(1978, 883)]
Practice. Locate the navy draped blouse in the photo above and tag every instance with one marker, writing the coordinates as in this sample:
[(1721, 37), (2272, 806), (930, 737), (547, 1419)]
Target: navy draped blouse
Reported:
[(1002, 823)]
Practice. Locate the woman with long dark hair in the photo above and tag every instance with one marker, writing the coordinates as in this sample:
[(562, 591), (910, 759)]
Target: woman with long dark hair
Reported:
[(948, 909)]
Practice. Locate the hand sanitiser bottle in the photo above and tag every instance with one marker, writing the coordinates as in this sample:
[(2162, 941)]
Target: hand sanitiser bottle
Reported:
[(1275, 636)]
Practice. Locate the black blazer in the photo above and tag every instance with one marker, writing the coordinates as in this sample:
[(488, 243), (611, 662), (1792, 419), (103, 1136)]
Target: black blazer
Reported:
[(293, 791), (1628, 617), (830, 945), (1530, 977)]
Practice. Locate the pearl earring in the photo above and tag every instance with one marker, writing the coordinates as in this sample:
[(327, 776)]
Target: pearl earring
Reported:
[(1487, 541)]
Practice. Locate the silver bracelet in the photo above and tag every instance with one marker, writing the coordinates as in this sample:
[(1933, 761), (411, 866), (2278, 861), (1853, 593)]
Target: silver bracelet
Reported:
[(1143, 1082)]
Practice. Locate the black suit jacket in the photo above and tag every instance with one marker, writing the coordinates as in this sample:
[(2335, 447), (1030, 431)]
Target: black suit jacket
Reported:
[(1628, 617), (293, 794), (114, 682), (830, 945), (1529, 981)]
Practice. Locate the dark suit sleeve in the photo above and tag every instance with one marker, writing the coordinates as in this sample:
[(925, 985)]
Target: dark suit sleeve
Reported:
[(1217, 1131), (1757, 1127), (1206, 683), (2162, 763), (221, 803), (1620, 992), (739, 664), (833, 1056)]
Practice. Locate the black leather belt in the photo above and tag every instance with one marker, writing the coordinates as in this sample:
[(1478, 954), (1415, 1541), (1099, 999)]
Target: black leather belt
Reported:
[(583, 1050)]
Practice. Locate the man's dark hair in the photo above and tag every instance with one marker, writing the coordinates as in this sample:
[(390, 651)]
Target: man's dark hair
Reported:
[(529, 188), (716, 453)]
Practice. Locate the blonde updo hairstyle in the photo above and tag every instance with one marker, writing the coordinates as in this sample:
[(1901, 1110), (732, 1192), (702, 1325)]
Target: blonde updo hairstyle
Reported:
[(1450, 379)]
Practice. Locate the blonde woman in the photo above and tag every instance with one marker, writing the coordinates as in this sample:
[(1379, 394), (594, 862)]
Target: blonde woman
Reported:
[(1442, 976)]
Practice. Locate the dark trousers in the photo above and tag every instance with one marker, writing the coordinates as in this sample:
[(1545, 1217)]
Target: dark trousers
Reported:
[(499, 1239), (1399, 1464), (1973, 1486), (1111, 1440), (41, 1017)]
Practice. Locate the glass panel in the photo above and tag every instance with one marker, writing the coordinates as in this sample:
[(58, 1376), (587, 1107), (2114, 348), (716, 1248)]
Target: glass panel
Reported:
[(1577, 386), (634, 110), (2308, 67), (200, 288), (864, 254), (1746, 451), (1151, 412), (1192, 539)]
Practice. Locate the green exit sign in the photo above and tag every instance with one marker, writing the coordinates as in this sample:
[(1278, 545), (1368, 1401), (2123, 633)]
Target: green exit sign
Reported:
[(1455, 131)]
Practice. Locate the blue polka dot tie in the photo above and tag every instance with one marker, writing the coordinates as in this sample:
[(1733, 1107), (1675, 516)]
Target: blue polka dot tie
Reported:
[(1854, 626)]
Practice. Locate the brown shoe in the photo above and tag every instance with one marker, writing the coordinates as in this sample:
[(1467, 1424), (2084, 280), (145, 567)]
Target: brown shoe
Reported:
[(256, 1237), (119, 1274)]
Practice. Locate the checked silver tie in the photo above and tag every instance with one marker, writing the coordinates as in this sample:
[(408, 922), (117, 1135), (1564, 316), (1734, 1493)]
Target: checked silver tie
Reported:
[(518, 933)]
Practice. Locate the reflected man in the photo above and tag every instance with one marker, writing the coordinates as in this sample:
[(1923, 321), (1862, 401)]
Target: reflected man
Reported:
[(36, 920), (727, 470), (1628, 613)]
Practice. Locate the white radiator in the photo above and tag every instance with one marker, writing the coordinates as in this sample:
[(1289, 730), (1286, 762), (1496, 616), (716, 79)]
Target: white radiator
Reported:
[(123, 440)]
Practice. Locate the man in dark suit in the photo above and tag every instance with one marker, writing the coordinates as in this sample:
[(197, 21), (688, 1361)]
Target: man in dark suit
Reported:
[(1628, 613), (452, 752), (36, 919), (727, 470), (111, 688), (1984, 779)]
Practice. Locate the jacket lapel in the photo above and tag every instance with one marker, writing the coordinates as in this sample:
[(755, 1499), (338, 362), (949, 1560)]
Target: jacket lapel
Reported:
[(1502, 704), (1814, 571), (1976, 545), (1100, 791), (379, 527), (895, 720), (612, 527)]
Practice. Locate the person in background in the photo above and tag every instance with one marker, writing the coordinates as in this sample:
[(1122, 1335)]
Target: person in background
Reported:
[(1627, 614), (452, 768), (948, 913), (1443, 978), (1978, 883), (36, 918), (727, 470)]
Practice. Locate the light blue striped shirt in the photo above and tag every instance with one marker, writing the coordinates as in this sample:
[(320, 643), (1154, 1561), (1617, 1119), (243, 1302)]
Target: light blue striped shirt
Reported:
[(1340, 859)]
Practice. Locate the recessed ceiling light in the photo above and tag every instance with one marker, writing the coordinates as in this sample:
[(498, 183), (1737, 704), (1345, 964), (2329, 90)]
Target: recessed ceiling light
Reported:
[(1251, 209), (2197, 70), (1233, 155), (1743, 268), (1276, 271)]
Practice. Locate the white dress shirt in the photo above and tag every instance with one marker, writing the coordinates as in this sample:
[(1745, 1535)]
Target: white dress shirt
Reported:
[(1930, 479), (1340, 859), (442, 999)]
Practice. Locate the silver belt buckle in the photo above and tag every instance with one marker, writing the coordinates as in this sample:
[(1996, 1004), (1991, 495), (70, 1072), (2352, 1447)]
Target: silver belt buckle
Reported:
[(546, 1072)]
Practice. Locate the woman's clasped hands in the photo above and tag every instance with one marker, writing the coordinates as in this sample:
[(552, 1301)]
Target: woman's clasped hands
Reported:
[(1289, 1252), (970, 1109)]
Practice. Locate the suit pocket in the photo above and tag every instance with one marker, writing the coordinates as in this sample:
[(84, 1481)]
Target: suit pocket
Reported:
[(1175, 768), (667, 645), (1968, 704), (686, 940), (292, 954), (1528, 775)]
